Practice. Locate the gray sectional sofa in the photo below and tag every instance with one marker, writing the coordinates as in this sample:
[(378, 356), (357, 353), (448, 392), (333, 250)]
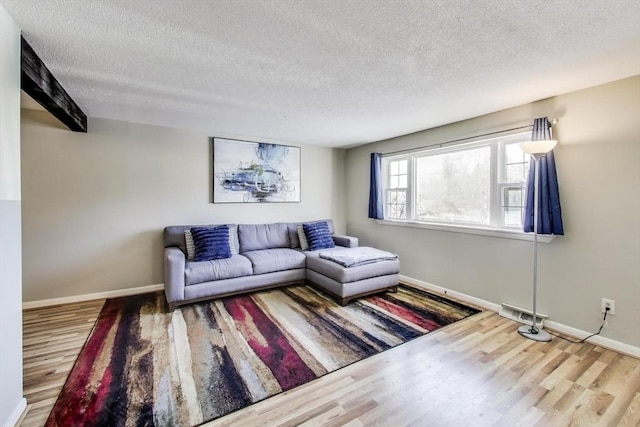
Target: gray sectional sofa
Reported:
[(266, 256)]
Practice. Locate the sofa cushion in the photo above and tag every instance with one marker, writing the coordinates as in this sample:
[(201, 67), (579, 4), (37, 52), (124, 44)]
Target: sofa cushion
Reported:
[(270, 260), (318, 236), (211, 243), (294, 241), (218, 269), (254, 237)]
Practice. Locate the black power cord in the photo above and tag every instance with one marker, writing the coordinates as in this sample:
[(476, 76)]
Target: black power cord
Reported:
[(604, 320)]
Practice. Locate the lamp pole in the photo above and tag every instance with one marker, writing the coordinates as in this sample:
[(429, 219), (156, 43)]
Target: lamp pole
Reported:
[(533, 332), (536, 149)]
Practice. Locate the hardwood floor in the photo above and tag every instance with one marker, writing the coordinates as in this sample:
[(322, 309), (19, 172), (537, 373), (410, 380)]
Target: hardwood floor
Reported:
[(52, 338), (476, 372)]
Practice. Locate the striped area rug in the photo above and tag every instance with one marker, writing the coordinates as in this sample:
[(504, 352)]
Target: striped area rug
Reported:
[(144, 366)]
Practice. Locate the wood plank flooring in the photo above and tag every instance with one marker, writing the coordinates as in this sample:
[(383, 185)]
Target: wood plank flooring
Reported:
[(52, 338), (476, 372)]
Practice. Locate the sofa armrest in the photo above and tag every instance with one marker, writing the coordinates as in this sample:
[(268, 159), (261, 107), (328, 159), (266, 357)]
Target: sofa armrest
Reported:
[(346, 241), (174, 263)]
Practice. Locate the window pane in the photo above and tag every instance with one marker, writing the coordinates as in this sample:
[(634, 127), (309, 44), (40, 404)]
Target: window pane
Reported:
[(393, 211), (403, 181), (513, 154), (393, 196), (455, 186), (513, 217), (512, 202), (402, 197), (393, 168), (403, 167), (513, 197), (515, 173), (394, 182), (402, 211)]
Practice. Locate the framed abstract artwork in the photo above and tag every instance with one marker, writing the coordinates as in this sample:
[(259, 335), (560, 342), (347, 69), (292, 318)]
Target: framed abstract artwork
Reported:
[(255, 172)]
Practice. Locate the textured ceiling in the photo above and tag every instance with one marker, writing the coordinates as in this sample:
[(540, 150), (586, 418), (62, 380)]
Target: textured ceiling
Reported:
[(334, 72)]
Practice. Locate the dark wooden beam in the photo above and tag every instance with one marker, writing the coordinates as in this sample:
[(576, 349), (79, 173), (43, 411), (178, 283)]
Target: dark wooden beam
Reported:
[(41, 85)]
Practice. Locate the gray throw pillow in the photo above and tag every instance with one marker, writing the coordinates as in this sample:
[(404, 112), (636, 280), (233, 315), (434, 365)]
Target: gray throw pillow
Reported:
[(304, 245), (233, 231), (191, 248)]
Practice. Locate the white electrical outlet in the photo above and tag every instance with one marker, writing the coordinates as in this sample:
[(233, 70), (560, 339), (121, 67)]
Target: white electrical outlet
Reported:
[(608, 303)]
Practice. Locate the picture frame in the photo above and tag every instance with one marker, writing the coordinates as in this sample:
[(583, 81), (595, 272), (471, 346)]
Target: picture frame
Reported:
[(255, 172)]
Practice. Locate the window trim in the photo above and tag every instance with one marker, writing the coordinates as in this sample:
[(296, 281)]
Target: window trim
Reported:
[(501, 233)]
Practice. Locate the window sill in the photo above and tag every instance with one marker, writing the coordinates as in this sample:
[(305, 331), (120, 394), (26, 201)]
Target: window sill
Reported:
[(479, 231)]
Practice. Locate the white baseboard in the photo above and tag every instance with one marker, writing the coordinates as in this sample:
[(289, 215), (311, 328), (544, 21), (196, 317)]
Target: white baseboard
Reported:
[(597, 340), (568, 330), (17, 413), (457, 295), (93, 296)]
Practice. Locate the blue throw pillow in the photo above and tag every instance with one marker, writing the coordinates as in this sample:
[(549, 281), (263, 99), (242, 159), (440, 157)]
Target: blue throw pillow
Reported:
[(211, 243), (318, 236)]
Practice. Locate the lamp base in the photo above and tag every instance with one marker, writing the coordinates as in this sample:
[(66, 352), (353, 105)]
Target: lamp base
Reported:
[(536, 334)]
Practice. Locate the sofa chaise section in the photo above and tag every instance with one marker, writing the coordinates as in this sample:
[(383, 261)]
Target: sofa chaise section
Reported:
[(353, 282)]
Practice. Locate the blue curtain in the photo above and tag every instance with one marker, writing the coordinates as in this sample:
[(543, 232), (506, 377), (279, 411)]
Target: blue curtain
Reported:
[(549, 211), (376, 208)]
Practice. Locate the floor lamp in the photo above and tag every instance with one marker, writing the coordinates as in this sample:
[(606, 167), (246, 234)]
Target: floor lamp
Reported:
[(536, 149)]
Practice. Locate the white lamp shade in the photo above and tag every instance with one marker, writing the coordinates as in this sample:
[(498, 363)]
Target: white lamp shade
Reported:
[(538, 147)]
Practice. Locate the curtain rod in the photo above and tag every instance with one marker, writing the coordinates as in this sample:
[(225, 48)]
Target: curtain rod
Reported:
[(454, 141)]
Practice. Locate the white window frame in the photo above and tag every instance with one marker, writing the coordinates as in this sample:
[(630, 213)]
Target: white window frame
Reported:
[(388, 189), (496, 227)]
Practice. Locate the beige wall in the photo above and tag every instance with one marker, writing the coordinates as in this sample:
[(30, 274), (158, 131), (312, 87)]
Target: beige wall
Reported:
[(11, 401), (598, 160), (95, 204)]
